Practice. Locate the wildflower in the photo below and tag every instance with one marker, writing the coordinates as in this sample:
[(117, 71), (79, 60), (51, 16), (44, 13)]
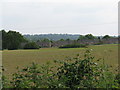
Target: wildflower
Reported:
[(95, 63), (91, 49)]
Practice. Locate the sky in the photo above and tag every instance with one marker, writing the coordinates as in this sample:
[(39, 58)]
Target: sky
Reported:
[(98, 17)]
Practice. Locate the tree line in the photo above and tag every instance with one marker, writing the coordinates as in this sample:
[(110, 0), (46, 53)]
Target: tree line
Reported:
[(81, 37), (54, 37), (12, 40)]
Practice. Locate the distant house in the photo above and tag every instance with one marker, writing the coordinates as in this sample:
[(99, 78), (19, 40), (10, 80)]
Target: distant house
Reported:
[(59, 43), (44, 44), (110, 41)]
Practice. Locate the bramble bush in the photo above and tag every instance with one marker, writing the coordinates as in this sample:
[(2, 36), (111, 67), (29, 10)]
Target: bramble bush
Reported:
[(72, 73)]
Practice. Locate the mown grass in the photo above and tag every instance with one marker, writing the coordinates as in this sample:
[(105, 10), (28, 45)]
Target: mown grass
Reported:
[(21, 58)]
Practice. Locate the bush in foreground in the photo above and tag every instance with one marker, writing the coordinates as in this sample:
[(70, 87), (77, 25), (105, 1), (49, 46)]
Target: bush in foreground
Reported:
[(71, 73)]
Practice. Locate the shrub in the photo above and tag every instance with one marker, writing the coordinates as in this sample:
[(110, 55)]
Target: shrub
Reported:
[(73, 46), (118, 78), (31, 45), (106, 37), (85, 73), (71, 73)]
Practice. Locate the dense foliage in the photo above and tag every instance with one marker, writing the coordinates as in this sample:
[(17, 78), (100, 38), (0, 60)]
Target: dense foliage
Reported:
[(88, 36), (106, 37), (11, 40), (31, 45), (72, 73)]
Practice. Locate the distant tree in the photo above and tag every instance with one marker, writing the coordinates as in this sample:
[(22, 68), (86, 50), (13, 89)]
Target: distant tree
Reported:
[(45, 40), (11, 40), (106, 37), (81, 37), (4, 39), (99, 38), (68, 39), (89, 36), (62, 40), (38, 41), (51, 41), (31, 45)]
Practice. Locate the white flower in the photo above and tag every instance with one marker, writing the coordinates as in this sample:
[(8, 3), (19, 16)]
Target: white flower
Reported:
[(95, 63), (91, 49)]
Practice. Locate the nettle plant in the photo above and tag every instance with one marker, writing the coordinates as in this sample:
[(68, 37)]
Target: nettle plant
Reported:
[(70, 73)]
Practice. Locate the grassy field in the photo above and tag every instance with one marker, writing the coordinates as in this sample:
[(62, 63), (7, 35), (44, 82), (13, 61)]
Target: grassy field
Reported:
[(14, 58)]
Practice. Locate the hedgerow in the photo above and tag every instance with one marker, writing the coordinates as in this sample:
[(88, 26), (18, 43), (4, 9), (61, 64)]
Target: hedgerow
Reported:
[(74, 46)]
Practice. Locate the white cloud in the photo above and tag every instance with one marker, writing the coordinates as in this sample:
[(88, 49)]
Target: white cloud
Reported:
[(61, 16)]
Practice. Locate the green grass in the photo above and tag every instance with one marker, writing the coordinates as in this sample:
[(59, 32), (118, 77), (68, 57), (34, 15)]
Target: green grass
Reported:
[(21, 58)]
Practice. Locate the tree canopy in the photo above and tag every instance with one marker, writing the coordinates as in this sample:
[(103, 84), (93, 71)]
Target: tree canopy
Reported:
[(11, 40), (31, 45), (88, 36), (106, 37)]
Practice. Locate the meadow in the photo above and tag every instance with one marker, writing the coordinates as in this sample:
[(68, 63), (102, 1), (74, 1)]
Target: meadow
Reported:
[(20, 58)]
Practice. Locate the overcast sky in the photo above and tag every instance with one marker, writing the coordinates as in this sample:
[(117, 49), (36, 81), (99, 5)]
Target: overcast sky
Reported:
[(98, 17)]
